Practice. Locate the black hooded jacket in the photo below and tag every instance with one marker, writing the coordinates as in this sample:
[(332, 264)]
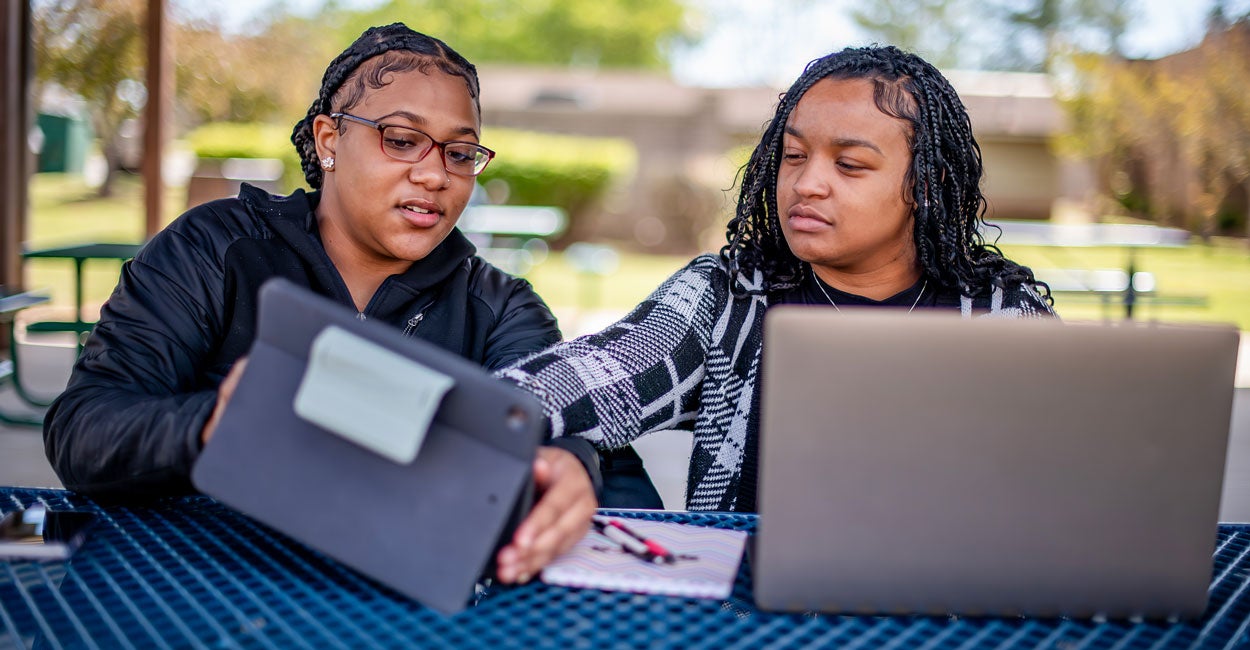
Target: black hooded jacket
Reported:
[(129, 422)]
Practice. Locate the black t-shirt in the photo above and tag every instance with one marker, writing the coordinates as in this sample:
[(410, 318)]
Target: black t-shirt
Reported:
[(924, 293)]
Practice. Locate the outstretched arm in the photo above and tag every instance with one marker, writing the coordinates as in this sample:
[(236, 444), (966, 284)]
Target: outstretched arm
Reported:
[(641, 374)]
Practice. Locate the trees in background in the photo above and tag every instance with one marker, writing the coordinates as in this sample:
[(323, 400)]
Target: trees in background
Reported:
[(609, 33), (268, 75), (270, 71), (95, 49), (1022, 35), (1041, 30), (938, 30), (1222, 125), (1171, 138)]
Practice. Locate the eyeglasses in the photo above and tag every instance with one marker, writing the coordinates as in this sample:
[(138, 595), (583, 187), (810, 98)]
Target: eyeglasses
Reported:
[(412, 145)]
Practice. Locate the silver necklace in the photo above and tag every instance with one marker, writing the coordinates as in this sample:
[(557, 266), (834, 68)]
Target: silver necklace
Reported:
[(821, 286)]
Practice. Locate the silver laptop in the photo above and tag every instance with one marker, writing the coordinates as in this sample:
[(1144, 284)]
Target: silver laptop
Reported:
[(920, 463)]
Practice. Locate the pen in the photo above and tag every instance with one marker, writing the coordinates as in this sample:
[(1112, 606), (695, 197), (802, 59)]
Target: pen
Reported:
[(633, 543)]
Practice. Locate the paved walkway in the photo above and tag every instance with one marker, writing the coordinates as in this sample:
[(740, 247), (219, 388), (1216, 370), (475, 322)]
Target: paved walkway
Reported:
[(22, 461)]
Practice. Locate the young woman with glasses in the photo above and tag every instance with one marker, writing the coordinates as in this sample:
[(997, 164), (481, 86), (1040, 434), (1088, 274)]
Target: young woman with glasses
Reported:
[(391, 148), (864, 190)]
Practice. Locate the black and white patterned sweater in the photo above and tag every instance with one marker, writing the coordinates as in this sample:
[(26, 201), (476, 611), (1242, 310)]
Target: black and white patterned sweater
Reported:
[(688, 357)]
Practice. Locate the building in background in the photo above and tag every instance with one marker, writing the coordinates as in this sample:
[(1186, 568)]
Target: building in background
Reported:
[(691, 142)]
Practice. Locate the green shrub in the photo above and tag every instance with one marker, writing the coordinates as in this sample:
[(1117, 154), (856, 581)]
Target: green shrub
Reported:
[(249, 140), (570, 172)]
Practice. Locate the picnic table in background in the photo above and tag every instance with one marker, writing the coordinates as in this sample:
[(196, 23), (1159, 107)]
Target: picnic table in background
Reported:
[(1129, 286), (80, 325), (10, 306), (80, 254), (512, 237)]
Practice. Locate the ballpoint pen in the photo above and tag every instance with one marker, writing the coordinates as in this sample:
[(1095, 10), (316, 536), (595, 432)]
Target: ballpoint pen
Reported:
[(633, 543)]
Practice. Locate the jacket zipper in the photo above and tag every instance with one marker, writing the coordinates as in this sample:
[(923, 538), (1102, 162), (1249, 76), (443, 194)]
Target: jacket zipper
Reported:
[(413, 323)]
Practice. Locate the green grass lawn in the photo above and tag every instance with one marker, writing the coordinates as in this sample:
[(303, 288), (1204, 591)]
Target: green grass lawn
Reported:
[(562, 285), (1220, 272), (63, 211)]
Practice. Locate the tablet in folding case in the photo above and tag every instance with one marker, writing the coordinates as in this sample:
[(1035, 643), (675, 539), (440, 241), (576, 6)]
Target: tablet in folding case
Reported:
[(326, 439)]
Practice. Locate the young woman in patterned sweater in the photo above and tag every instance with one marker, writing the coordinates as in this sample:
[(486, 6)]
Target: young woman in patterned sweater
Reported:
[(863, 190)]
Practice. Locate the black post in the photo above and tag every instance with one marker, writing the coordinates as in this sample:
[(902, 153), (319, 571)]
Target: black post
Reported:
[(1130, 292)]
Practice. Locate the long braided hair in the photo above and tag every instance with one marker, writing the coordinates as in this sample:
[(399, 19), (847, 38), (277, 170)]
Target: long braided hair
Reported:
[(943, 179), (368, 62)]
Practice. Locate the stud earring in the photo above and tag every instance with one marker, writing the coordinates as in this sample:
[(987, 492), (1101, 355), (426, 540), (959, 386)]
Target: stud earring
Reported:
[(327, 163)]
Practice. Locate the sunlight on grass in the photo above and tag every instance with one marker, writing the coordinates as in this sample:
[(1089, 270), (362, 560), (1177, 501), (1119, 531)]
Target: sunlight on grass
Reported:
[(585, 303), (1220, 272), (64, 211)]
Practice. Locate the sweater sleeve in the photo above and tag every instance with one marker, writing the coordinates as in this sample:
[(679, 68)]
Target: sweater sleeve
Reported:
[(525, 326), (640, 374), (129, 421)]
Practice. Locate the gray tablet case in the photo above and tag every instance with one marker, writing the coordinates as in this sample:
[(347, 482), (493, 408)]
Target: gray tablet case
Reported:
[(428, 528)]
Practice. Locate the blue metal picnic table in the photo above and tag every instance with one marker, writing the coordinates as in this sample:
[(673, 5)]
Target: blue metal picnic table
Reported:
[(190, 572)]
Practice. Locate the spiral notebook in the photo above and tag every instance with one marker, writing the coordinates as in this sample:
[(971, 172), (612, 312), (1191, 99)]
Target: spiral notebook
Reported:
[(706, 566)]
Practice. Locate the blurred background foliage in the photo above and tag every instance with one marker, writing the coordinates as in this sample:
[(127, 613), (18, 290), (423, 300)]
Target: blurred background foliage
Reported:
[(608, 33), (248, 140), (94, 49), (1147, 125), (1168, 139), (570, 172), (238, 92), (1171, 138)]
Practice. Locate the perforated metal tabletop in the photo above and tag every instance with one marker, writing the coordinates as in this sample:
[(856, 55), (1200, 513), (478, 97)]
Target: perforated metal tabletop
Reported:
[(190, 573)]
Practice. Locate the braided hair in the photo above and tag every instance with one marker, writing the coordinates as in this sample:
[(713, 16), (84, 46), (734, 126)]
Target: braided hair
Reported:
[(368, 62), (943, 180)]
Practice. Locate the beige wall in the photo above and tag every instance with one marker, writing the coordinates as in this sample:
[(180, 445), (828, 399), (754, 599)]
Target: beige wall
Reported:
[(1021, 179), (683, 134)]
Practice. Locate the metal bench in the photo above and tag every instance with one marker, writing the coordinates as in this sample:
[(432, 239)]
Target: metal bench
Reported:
[(1112, 287), (512, 237), (1101, 284), (10, 306)]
